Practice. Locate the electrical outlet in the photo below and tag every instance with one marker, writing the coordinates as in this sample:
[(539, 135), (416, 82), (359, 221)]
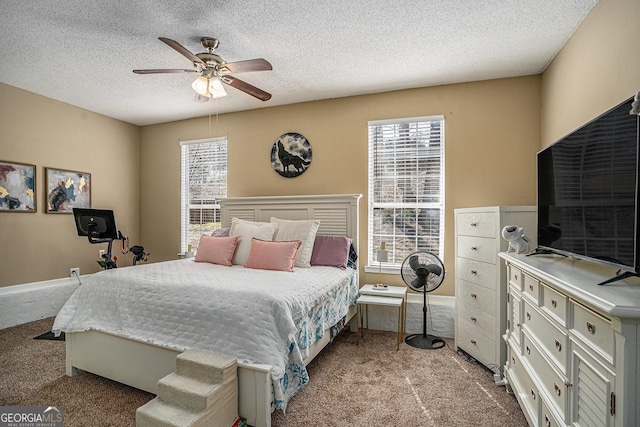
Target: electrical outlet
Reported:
[(74, 272), (101, 253)]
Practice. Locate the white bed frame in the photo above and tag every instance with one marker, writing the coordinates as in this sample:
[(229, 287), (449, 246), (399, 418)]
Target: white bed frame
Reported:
[(141, 364)]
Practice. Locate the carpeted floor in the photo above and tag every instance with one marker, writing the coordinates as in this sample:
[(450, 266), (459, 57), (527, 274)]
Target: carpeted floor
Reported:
[(351, 385)]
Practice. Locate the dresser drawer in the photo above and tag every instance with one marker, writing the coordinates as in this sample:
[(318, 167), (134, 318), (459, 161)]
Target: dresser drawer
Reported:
[(554, 341), (594, 329), (481, 273), (476, 296), (478, 320), (478, 346), (522, 385), (547, 416), (515, 317), (531, 287), (515, 277), (555, 304), (553, 383), (481, 224), (478, 248)]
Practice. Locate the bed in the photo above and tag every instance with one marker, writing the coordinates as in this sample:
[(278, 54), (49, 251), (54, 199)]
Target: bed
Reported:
[(137, 345)]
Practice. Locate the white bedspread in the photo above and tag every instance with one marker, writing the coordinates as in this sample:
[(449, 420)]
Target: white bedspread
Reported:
[(253, 315)]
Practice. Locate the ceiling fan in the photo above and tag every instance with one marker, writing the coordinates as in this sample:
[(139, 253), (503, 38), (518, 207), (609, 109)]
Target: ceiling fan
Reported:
[(213, 70)]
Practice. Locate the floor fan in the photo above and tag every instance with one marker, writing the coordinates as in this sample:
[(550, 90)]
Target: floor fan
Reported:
[(423, 272)]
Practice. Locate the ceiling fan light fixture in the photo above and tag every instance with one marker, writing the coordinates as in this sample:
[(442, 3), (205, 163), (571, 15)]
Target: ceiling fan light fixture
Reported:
[(215, 88), (200, 85)]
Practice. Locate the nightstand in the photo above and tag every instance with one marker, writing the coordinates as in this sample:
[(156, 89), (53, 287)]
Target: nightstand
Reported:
[(392, 296)]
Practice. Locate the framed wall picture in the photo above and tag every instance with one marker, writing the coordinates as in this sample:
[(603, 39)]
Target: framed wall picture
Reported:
[(291, 155), (17, 187), (66, 190)]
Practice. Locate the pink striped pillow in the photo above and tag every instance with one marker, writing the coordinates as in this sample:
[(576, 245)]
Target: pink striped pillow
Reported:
[(268, 255), (216, 250)]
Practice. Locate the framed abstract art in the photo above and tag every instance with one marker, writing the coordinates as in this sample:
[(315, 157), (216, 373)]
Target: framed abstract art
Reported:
[(66, 190), (17, 187)]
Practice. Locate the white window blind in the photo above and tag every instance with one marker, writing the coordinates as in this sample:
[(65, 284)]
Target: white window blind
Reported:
[(406, 187), (203, 184)]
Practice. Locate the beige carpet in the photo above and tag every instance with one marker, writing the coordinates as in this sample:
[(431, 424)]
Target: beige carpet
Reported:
[(366, 385)]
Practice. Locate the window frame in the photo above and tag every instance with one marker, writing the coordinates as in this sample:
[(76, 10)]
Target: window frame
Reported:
[(372, 265), (186, 205)]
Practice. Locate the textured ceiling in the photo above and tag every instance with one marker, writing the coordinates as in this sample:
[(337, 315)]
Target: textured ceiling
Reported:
[(83, 52)]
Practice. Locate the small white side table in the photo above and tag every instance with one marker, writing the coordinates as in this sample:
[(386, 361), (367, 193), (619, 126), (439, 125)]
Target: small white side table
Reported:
[(392, 296)]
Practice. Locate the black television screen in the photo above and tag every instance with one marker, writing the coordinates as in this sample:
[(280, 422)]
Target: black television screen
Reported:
[(104, 223), (588, 191)]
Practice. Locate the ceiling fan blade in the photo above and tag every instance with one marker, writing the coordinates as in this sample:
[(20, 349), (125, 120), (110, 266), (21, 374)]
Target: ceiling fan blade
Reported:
[(162, 71), (246, 66), (246, 87), (181, 49)]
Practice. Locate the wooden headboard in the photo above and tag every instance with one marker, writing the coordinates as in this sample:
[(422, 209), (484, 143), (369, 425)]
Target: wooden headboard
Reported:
[(338, 213)]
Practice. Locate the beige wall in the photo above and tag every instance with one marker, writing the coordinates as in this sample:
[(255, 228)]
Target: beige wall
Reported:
[(493, 130), (47, 133), (598, 68), (491, 137)]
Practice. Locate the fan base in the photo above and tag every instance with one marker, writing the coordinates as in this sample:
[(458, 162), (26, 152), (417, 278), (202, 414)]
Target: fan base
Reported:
[(425, 342)]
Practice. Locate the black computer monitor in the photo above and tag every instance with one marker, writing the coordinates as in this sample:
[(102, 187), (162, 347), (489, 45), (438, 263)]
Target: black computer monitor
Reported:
[(100, 222)]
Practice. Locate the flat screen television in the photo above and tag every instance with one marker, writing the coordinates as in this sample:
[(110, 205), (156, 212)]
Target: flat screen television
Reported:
[(587, 185)]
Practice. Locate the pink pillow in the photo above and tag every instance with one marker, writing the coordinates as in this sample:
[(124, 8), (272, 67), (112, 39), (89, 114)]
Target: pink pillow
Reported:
[(331, 250), (267, 255), (216, 250)]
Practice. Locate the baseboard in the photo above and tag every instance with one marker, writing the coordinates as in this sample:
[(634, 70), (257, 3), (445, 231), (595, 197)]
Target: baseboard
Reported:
[(26, 303), (440, 316)]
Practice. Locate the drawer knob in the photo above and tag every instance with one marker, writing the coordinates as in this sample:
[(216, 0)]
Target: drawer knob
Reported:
[(554, 303), (474, 296), (556, 387), (474, 272), (546, 421), (474, 224), (531, 288), (528, 316), (528, 350), (473, 342), (515, 276), (473, 318), (558, 345), (591, 328), (533, 394), (474, 248)]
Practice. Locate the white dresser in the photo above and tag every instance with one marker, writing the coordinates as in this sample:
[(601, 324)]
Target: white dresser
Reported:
[(573, 345), (481, 279)]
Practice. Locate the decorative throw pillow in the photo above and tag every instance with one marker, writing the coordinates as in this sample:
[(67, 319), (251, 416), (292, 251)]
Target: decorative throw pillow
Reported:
[(332, 251), (247, 230), (221, 232), (303, 230), (216, 250), (272, 255)]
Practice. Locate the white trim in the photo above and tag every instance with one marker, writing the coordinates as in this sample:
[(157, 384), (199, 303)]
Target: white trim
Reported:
[(20, 304), (202, 141), (440, 316), (405, 120), (391, 269)]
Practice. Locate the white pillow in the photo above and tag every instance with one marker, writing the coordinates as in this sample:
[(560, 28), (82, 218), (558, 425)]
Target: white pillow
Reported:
[(247, 230), (304, 230)]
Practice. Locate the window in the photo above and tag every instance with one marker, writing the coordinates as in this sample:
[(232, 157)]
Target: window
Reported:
[(406, 188), (204, 183)]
